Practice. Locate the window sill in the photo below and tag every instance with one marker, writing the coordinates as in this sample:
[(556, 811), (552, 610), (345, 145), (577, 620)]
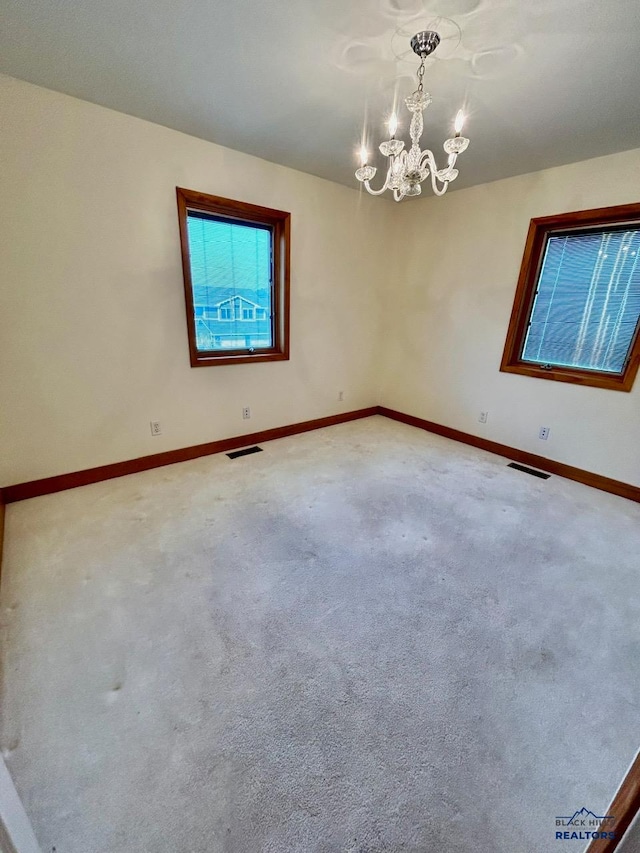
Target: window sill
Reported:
[(613, 382), (209, 360)]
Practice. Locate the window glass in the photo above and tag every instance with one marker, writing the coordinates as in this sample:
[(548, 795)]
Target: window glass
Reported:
[(587, 301), (231, 272)]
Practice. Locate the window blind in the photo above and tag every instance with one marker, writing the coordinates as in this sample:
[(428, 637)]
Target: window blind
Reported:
[(587, 302), (231, 279)]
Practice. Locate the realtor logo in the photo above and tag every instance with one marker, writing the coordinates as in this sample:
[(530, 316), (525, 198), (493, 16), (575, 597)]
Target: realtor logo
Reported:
[(584, 825)]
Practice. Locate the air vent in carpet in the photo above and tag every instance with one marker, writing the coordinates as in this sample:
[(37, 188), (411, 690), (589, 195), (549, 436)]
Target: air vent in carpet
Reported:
[(526, 470), (245, 452)]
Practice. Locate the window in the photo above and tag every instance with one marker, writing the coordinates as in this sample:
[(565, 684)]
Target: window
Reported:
[(576, 315), (235, 260)]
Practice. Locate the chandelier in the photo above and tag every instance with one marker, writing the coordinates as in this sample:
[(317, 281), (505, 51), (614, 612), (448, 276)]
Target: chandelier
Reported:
[(408, 169)]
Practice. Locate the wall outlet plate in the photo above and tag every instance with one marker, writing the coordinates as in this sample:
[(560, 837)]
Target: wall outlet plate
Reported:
[(544, 433), (483, 417), (246, 413), (156, 429)]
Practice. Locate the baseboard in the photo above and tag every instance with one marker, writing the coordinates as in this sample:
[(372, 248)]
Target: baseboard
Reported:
[(623, 808), (606, 484), (61, 482)]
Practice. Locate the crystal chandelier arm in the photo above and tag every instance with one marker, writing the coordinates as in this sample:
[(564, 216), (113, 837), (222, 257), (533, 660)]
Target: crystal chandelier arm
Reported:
[(434, 186), (394, 161), (384, 187), (365, 173), (429, 160)]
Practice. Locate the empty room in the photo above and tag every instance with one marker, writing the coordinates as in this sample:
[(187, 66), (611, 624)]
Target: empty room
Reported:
[(320, 426)]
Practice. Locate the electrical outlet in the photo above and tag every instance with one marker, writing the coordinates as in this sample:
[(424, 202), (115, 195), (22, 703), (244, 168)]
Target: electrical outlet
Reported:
[(544, 433), (340, 396), (482, 417), (246, 413), (156, 429)]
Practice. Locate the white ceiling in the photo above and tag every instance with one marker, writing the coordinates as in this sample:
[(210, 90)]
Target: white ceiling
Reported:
[(544, 82)]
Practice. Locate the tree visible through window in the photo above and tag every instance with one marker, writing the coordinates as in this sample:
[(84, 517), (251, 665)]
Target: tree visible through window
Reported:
[(235, 264), (577, 310)]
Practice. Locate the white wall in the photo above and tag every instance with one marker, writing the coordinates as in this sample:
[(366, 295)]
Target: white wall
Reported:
[(456, 263), (93, 339)]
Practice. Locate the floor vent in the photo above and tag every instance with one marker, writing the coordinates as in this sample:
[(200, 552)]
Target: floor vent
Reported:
[(245, 452), (526, 470)]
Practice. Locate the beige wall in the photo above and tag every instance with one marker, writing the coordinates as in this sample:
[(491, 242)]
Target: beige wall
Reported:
[(406, 305), (93, 341), (456, 263)]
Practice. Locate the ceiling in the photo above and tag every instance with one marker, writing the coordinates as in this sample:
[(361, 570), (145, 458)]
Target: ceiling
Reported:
[(544, 82)]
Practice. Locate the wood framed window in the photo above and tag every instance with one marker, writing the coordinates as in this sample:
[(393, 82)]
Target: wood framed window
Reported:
[(235, 261), (576, 314)]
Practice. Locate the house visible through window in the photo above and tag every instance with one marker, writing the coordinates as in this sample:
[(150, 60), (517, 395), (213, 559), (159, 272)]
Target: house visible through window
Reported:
[(230, 273), (235, 264), (576, 315)]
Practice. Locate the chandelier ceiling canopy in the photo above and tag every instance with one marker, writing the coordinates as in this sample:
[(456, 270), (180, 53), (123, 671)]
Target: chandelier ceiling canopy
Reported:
[(408, 169)]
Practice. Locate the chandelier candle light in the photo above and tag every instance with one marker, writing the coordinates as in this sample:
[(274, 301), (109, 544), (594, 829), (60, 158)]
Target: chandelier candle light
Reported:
[(407, 169)]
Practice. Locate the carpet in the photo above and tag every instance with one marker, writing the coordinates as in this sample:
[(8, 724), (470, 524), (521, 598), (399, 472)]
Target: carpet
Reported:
[(363, 639)]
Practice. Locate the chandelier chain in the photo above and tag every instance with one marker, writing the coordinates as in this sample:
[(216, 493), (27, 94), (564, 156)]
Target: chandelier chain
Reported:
[(421, 73)]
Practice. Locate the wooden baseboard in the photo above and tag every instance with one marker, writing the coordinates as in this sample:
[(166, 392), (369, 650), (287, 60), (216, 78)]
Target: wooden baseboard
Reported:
[(623, 809), (61, 482), (48, 485), (606, 484)]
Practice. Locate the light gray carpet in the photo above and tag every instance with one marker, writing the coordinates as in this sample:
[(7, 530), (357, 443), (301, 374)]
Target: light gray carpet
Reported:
[(363, 639), (631, 843)]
